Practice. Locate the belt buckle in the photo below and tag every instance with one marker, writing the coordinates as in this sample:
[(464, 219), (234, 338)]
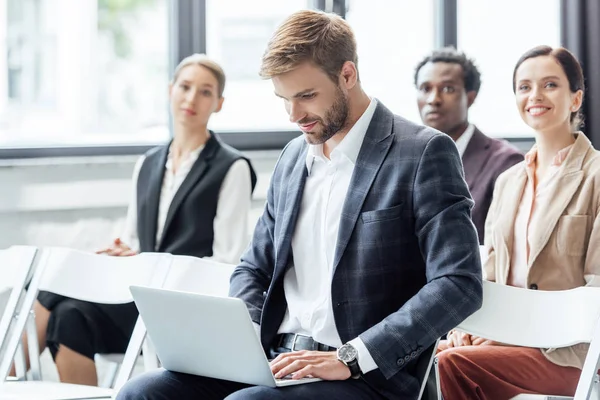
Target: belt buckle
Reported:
[(294, 342)]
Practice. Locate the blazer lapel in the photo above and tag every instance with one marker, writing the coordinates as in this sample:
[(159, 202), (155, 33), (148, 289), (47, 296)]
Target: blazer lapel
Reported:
[(154, 189), (567, 182), (474, 157), (198, 169), (509, 205), (373, 151), (293, 197)]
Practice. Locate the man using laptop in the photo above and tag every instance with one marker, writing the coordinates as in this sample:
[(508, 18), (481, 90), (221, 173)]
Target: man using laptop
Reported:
[(365, 253)]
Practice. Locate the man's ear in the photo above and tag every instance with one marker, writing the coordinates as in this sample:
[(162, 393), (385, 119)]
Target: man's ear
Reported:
[(471, 96), (349, 75)]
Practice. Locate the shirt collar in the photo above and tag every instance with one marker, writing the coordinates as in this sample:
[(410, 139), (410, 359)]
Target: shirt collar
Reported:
[(557, 161), (352, 142), (191, 158), (463, 141)]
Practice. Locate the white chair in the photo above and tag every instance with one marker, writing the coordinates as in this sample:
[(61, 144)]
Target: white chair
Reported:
[(84, 276), (189, 274), (16, 265), (483, 253), (542, 319)]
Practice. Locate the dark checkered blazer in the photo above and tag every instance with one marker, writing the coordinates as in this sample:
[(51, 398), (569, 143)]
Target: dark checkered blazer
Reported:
[(407, 266)]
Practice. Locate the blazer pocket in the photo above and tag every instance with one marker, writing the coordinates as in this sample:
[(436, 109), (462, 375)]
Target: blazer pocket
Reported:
[(385, 214), (572, 234)]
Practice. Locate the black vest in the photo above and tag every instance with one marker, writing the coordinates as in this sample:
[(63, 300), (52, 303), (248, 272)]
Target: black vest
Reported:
[(188, 228)]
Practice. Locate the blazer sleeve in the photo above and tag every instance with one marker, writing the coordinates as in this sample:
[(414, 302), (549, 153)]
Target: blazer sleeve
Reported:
[(449, 246), (252, 277), (592, 257), (489, 269)]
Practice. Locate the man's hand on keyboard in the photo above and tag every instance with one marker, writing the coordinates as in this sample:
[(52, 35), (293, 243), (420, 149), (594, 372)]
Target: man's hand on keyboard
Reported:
[(304, 363)]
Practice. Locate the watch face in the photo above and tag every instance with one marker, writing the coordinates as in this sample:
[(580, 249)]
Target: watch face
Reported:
[(347, 353)]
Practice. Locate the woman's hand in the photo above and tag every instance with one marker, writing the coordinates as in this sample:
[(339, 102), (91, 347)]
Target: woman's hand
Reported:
[(457, 339), (118, 249)]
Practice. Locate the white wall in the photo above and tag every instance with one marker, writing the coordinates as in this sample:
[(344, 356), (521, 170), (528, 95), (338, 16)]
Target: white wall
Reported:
[(81, 202)]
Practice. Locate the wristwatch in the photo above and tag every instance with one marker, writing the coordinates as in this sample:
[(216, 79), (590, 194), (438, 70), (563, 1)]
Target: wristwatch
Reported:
[(348, 355)]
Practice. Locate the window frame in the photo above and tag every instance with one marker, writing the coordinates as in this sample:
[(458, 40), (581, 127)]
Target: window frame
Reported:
[(187, 35)]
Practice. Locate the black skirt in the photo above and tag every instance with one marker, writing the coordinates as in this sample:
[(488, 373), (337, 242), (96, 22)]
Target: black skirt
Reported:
[(87, 328)]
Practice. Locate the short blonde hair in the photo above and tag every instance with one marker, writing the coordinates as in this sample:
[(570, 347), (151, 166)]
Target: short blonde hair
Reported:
[(324, 39), (203, 61)]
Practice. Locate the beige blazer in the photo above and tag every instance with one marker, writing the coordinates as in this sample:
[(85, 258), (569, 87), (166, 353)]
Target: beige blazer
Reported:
[(565, 251)]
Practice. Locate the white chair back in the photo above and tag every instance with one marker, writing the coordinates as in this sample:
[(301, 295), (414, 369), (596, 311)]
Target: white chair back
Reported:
[(542, 319), (98, 278), (188, 274), (483, 253), (83, 276), (197, 275), (16, 264), (535, 318)]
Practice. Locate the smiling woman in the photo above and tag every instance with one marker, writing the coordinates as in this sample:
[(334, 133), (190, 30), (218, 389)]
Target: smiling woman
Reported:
[(542, 232)]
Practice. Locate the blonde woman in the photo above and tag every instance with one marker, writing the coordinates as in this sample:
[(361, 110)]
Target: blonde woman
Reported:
[(192, 197)]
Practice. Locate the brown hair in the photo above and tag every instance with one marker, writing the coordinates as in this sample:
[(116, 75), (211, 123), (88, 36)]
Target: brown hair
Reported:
[(571, 68), (203, 61), (324, 39)]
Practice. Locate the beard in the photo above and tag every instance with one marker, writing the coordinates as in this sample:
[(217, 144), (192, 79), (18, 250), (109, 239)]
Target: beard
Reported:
[(335, 119)]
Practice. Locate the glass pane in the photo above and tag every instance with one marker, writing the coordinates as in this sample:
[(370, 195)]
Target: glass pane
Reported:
[(83, 72), (487, 33), (237, 33), (392, 37)]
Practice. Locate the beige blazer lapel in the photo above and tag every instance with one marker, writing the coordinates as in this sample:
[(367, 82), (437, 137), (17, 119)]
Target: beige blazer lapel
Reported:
[(510, 200), (568, 179)]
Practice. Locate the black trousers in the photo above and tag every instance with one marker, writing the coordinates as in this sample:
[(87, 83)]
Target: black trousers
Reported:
[(163, 385)]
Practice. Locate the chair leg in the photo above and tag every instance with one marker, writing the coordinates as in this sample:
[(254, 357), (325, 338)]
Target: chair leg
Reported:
[(34, 348), (437, 379), (595, 393), (20, 366), (149, 355), (111, 375)]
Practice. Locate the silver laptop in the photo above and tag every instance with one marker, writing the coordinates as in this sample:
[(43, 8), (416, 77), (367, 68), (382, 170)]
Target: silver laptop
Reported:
[(206, 336)]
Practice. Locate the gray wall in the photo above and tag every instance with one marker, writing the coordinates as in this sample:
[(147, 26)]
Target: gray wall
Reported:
[(81, 202)]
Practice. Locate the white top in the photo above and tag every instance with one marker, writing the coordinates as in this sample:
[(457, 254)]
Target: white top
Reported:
[(463, 141), (231, 221), (307, 285), (528, 220)]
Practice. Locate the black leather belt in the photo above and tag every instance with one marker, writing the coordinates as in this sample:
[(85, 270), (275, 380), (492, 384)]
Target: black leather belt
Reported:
[(296, 342)]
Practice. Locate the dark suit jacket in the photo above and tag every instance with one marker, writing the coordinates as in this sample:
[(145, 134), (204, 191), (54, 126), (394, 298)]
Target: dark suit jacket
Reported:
[(483, 161), (407, 265)]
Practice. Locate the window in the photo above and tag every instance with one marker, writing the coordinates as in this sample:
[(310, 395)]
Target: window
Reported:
[(496, 34), (83, 72), (237, 33), (392, 36)]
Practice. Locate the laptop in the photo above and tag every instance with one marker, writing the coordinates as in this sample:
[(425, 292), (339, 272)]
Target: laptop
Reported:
[(206, 336)]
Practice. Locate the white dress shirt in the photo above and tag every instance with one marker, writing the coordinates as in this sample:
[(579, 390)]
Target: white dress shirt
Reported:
[(463, 141), (231, 221), (307, 285)]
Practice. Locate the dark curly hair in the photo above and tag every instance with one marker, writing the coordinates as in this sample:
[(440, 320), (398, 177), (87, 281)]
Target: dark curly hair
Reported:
[(471, 75)]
